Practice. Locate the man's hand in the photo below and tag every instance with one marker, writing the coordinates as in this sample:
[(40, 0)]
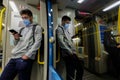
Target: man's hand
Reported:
[(118, 46), (16, 36), (74, 52), (25, 57)]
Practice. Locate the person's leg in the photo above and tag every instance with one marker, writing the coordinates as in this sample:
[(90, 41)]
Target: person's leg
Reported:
[(115, 62), (80, 70), (70, 68), (118, 64), (79, 66), (9, 71), (24, 68)]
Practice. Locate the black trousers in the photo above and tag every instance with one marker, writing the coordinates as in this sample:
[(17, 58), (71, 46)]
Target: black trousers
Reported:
[(73, 63), (114, 62)]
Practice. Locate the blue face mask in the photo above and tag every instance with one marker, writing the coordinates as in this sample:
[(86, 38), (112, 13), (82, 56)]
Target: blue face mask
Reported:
[(66, 26), (26, 22)]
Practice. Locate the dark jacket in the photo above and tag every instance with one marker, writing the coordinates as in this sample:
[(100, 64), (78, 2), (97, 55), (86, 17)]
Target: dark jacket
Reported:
[(109, 41)]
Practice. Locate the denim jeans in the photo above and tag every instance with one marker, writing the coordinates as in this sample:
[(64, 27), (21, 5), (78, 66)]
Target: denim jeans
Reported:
[(17, 66)]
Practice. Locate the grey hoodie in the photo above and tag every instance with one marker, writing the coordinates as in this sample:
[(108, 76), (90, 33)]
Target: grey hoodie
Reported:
[(25, 45)]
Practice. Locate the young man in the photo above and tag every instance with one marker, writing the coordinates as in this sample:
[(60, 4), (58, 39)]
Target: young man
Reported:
[(23, 54), (68, 51)]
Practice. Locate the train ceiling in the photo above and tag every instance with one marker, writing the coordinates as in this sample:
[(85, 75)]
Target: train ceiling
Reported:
[(92, 6)]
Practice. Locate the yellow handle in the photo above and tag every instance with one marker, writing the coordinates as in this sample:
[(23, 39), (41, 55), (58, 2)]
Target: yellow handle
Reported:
[(1, 16), (42, 62), (98, 41), (118, 26), (38, 56), (58, 55)]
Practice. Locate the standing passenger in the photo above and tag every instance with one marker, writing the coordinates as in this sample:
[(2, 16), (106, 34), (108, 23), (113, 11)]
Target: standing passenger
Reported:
[(113, 48), (23, 54), (68, 51)]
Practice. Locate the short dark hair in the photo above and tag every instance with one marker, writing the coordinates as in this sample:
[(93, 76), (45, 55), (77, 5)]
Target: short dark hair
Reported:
[(65, 18), (27, 12)]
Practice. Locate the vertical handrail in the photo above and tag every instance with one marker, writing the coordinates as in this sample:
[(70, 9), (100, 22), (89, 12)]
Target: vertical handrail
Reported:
[(76, 32), (119, 20), (98, 40), (118, 24), (1, 16)]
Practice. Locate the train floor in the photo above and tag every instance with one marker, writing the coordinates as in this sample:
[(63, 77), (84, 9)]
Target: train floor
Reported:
[(90, 76)]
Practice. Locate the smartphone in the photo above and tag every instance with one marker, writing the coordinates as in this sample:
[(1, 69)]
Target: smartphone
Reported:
[(13, 31)]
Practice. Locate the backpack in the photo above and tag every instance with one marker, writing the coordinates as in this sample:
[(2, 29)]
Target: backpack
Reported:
[(39, 57)]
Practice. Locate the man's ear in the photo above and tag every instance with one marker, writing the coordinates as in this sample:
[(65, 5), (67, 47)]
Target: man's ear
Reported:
[(31, 18)]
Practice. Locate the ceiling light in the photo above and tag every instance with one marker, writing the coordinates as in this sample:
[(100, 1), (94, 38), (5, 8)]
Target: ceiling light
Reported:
[(68, 13), (13, 6), (80, 1), (112, 6)]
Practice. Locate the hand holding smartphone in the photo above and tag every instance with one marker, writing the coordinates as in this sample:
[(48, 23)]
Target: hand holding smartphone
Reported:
[(15, 32)]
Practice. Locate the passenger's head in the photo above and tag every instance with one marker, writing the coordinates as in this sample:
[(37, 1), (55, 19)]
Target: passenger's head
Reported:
[(66, 21), (110, 28), (27, 16)]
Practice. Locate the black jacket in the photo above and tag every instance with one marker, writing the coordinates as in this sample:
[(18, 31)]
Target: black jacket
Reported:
[(109, 41)]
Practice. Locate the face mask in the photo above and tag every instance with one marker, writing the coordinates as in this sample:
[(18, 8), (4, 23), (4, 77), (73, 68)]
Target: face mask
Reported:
[(66, 26), (26, 22), (112, 32)]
